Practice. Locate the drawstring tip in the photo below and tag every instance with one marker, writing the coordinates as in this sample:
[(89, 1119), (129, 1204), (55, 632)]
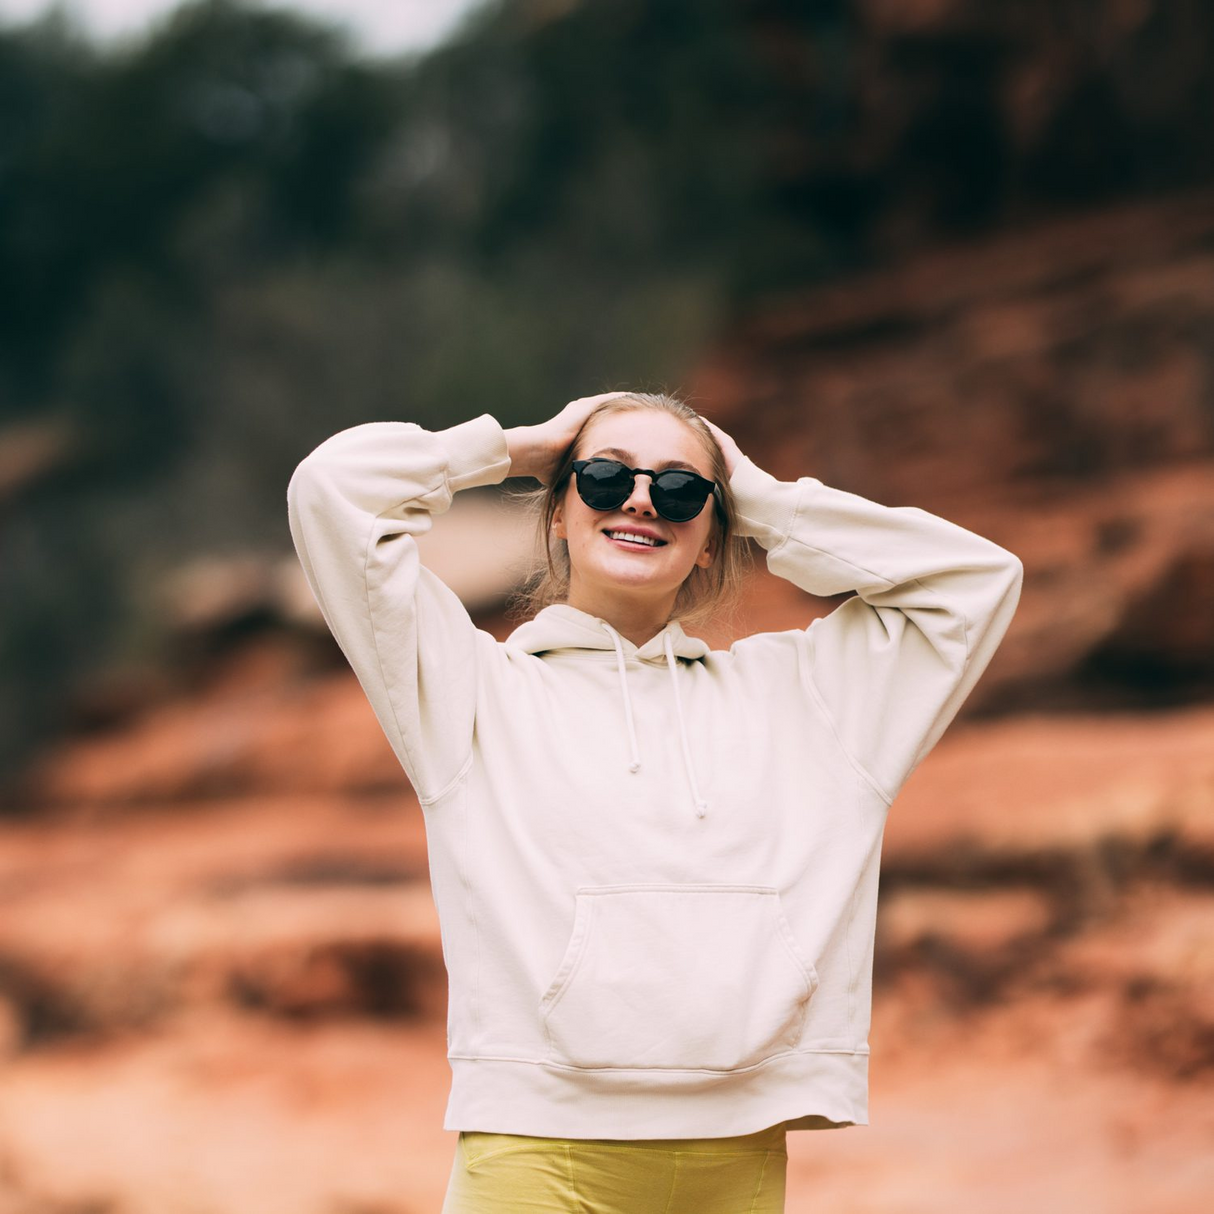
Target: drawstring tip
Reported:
[(701, 808), (635, 765)]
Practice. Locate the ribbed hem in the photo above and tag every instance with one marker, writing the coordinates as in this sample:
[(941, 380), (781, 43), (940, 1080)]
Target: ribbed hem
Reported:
[(477, 452), (507, 1096)]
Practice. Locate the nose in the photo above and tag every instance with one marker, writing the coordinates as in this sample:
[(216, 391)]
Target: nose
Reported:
[(638, 500)]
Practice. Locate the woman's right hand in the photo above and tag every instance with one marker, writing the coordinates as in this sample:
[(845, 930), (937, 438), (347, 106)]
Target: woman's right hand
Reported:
[(534, 450)]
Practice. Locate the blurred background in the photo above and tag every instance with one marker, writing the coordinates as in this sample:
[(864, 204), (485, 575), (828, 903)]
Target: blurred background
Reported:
[(950, 254)]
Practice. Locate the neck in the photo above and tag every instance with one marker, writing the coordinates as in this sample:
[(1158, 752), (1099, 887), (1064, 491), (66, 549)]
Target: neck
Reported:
[(636, 618)]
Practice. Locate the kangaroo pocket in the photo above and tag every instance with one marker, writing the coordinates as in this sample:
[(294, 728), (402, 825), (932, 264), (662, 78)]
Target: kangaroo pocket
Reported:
[(677, 976)]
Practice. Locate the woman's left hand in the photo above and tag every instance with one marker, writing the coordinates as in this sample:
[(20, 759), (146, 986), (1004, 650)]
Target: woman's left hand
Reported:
[(732, 452)]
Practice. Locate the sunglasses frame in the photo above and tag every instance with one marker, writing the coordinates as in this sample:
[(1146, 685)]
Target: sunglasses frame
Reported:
[(715, 489)]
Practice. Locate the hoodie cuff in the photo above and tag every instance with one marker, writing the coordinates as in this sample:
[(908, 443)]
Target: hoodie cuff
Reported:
[(477, 453), (766, 506)]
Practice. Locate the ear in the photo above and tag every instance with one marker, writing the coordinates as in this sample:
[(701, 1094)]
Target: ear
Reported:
[(709, 551), (558, 521)]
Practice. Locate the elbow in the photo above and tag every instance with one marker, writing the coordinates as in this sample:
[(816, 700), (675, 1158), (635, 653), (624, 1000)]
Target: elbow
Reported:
[(1003, 567), (1011, 578), (334, 462), (308, 477), (297, 485), (309, 494), (1014, 567), (297, 498), (997, 586)]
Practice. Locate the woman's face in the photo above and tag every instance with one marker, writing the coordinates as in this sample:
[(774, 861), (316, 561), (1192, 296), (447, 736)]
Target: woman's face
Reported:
[(609, 572)]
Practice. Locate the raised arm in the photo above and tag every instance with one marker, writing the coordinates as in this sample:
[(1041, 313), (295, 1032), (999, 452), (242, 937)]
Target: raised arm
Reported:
[(890, 666), (356, 505)]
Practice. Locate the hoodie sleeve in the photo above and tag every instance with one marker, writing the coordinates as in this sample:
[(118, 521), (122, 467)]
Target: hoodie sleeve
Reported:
[(890, 666), (356, 505)]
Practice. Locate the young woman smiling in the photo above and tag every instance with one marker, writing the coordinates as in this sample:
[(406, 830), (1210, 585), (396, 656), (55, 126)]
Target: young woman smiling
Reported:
[(655, 863)]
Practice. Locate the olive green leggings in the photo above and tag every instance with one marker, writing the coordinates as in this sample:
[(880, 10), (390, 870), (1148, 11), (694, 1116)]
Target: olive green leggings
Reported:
[(520, 1174)]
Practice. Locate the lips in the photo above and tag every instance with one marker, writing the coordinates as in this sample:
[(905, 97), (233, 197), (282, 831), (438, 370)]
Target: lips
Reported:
[(650, 535), (637, 546)]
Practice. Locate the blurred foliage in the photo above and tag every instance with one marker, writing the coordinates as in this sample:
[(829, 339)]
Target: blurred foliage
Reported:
[(224, 242)]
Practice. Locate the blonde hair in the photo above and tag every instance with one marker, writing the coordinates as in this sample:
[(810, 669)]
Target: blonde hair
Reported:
[(708, 592)]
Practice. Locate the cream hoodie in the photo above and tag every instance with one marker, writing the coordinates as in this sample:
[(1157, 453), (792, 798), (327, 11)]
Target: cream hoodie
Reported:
[(655, 867)]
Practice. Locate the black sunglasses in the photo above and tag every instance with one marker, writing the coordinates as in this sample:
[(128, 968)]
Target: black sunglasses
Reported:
[(677, 494)]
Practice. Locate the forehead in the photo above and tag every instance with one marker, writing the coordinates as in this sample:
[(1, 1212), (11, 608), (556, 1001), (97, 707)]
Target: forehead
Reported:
[(647, 439)]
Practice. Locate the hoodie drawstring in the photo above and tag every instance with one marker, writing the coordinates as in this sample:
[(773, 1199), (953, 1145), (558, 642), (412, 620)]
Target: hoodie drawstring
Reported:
[(632, 733), (700, 804)]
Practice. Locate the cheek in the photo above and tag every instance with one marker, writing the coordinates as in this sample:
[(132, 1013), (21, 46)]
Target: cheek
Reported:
[(574, 519), (698, 541), (581, 527)]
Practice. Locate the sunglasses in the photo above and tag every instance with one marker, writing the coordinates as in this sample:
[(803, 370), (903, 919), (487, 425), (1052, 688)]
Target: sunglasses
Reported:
[(677, 495)]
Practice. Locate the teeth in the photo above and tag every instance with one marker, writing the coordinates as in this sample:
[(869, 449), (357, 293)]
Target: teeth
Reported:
[(632, 539)]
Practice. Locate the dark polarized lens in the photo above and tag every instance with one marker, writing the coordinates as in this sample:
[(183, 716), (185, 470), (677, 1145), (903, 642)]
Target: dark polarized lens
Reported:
[(678, 495), (604, 484)]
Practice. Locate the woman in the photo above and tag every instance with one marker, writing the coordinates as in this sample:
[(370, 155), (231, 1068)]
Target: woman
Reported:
[(655, 863)]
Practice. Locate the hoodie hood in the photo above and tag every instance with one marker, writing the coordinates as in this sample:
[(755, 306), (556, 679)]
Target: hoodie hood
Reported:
[(560, 626)]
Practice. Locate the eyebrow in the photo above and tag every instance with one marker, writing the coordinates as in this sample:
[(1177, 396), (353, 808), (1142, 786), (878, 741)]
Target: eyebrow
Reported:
[(670, 463)]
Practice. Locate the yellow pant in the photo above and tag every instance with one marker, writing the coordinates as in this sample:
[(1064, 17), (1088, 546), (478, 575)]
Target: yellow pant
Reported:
[(520, 1174)]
